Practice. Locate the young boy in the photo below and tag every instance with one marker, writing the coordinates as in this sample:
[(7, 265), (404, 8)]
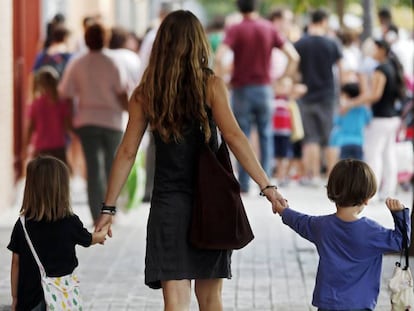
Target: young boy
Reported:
[(350, 247)]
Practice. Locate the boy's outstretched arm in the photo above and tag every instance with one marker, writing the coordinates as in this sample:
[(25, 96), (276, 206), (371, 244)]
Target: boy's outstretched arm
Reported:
[(395, 206)]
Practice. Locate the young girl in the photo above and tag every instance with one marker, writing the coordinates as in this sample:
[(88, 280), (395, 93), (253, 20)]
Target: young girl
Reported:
[(53, 229), (350, 247), (49, 117)]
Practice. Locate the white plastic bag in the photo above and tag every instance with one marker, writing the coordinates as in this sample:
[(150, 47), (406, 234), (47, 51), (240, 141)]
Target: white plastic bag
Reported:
[(401, 286)]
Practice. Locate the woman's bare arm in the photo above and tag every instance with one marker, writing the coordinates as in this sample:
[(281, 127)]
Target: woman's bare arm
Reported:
[(124, 158), (218, 99)]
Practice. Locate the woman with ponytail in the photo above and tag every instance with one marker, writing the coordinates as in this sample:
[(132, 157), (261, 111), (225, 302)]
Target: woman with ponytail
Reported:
[(387, 87)]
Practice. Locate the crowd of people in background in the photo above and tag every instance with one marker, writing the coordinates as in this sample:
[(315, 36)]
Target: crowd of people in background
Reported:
[(354, 95), (319, 100), (310, 93)]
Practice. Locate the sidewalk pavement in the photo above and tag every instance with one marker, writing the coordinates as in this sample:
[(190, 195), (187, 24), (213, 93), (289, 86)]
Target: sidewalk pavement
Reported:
[(276, 272)]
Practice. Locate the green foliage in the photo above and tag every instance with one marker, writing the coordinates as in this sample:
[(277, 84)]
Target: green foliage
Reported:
[(218, 7), (224, 7)]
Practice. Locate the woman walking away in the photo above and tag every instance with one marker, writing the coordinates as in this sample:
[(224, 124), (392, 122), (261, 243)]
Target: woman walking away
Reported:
[(380, 150), (53, 229), (179, 97)]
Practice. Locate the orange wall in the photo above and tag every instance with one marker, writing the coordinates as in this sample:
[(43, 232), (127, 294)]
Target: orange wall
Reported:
[(26, 34)]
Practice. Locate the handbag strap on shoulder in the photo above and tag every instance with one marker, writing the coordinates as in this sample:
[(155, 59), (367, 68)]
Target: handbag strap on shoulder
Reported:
[(29, 241)]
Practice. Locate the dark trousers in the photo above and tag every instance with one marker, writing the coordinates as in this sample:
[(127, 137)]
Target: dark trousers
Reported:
[(99, 145)]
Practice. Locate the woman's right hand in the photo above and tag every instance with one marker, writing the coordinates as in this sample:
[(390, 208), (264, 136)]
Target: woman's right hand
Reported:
[(103, 221)]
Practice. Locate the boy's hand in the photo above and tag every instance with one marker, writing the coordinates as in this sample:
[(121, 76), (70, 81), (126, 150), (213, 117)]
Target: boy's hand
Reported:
[(394, 205)]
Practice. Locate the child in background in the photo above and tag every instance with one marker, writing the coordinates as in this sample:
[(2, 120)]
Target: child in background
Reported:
[(53, 229), (350, 247), (49, 118), (282, 128), (286, 150), (350, 126)]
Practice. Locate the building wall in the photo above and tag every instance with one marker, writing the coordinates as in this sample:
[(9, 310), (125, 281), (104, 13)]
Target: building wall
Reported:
[(6, 106), (78, 9)]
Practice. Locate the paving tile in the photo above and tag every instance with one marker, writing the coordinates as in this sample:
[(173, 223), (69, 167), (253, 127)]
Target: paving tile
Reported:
[(275, 272)]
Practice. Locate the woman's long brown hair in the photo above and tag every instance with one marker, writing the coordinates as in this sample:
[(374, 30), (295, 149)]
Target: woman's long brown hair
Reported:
[(173, 85)]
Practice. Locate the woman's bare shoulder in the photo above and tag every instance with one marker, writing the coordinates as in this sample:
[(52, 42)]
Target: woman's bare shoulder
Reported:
[(215, 87)]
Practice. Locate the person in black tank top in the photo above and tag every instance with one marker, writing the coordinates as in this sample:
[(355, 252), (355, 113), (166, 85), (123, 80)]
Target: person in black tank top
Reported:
[(381, 134), (181, 100)]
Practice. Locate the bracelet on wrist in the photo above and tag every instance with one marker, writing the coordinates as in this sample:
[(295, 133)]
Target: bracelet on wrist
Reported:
[(107, 209), (265, 188)]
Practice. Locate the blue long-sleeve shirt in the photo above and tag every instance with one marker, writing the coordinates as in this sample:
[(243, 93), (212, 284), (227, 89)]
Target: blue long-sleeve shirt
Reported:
[(350, 256)]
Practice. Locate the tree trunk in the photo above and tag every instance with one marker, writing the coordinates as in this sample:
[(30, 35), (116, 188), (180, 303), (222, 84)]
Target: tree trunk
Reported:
[(368, 6), (340, 10)]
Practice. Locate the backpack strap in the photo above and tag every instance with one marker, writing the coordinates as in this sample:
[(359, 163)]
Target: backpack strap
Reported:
[(41, 268)]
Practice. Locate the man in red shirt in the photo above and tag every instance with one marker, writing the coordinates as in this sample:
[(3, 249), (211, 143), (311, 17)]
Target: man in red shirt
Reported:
[(251, 42)]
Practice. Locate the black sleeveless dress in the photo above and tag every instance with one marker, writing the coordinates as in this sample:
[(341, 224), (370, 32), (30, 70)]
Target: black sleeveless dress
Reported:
[(169, 254)]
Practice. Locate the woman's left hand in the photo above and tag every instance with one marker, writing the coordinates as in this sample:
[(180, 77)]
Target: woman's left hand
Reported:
[(279, 203)]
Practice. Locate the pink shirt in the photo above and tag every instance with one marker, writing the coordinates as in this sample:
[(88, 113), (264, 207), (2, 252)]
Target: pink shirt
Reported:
[(95, 81), (252, 41), (48, 120)]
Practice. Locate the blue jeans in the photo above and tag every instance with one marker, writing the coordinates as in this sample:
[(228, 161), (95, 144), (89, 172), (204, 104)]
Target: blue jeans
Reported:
[(99, 147), (253, 105), (351, 152), (319, 309)]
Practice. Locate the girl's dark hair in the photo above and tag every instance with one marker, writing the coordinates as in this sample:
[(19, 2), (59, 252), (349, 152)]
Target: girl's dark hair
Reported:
[(351, 182), (351, 89), (46, 193)]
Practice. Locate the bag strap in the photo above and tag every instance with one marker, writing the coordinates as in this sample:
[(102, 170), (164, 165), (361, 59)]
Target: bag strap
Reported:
[(404, 249), (41, 268)]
